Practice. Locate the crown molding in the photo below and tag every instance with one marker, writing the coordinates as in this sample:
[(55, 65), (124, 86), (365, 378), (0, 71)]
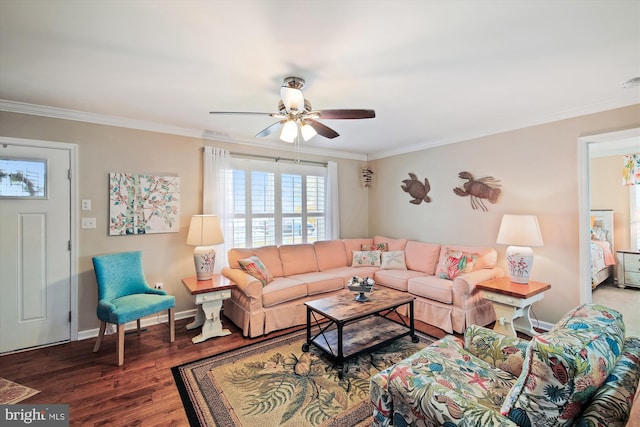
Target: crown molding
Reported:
[(103, 119), (618, 102)]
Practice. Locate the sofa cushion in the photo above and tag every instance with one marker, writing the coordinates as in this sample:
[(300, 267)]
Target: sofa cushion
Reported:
[(422, 256), (564, 367), (440, 385), (456, 263), (433, 288), (283, 289), (298, 259), (393, 260), (320, 282), (614, 402), (396, 279), (346, 273), (269, 256), (487, 257), (366, 259), (382, 247), (255, 268), (351, 245), (392, 244), (330, 254)]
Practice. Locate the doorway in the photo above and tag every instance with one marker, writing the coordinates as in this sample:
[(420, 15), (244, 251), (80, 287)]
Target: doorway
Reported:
[(37, 233), (611, 144)]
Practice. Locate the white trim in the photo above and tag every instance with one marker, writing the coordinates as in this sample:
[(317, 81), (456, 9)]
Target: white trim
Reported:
[(584, 202), (73, 162), (148, 321), (545, 326), (619, 102), (213, 135), (103, 119)]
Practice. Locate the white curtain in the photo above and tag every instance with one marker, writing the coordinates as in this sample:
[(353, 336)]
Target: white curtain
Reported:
[(216, 197), (333, 202)]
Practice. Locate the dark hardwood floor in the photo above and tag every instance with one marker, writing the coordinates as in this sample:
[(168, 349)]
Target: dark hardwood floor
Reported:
[(142, 392)]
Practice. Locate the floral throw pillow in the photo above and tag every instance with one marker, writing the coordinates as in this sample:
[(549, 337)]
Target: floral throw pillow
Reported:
[(256, 268), (382, 247), (457, 262), (366, 259), (393, 260)]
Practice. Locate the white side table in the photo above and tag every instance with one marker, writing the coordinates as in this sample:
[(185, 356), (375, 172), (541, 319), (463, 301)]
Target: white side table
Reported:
[(209, 295), (628, 268), (512, 303)]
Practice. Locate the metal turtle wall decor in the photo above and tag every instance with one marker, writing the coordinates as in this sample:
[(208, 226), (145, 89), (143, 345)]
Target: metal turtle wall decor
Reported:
[(487, 188), (417, 189)]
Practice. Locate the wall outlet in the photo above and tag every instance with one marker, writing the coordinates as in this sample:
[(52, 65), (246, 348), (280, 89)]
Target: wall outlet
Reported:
[(88, 223), (159, 285)]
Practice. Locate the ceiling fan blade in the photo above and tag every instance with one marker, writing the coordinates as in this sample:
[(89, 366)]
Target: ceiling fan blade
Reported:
[(322, 130), (293, 99), (271, 129), (242, 112), (346, 114)]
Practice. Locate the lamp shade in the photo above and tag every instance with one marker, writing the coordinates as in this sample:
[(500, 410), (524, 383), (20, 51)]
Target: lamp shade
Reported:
[(289, 131), (520, 230), (205, 230), (307, 131)]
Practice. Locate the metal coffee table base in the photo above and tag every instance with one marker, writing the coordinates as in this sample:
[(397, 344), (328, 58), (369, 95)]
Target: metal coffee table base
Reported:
[(343, 339)]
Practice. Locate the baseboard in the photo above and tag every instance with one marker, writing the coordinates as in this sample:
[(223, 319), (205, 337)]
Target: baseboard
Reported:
[(539, 324), (147, 321)]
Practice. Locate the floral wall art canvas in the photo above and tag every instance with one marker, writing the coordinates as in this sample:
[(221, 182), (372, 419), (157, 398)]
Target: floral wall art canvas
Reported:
[(143, 204)]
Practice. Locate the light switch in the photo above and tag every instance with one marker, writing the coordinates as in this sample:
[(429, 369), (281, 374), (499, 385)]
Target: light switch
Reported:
[(86, 204), (88, 223)]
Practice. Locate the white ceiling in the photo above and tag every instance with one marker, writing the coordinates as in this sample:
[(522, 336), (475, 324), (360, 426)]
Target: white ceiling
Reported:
[(436, 72)]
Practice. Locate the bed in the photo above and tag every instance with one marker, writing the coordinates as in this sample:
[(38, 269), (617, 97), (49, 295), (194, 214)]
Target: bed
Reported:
[(602, 259)]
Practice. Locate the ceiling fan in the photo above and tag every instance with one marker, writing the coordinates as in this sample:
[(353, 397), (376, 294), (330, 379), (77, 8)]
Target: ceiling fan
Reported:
[(294, 112)]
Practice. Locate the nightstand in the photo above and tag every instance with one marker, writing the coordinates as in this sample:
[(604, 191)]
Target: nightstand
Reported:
[(512, 303), (628, 268), (209, 295)]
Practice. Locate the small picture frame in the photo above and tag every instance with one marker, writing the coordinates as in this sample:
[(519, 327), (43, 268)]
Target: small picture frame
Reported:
[(23, 178)]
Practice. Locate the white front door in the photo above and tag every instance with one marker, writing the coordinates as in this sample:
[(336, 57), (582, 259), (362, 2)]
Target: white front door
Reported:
[(35, 256)]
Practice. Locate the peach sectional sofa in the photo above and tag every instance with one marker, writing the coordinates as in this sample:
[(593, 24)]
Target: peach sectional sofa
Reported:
[(305, 272)]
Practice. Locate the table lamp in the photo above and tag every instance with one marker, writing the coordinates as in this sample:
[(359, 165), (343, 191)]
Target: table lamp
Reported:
[(204, 232), (519, 232)]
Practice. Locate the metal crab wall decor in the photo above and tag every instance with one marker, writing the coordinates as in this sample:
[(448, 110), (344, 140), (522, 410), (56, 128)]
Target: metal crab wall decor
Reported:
[(477, 189), (417, 189)]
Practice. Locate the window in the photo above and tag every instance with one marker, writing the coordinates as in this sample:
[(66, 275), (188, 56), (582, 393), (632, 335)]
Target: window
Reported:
[(275, 203)]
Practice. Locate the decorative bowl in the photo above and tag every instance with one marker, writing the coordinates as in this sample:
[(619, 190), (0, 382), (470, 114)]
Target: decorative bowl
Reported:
[(361, 285)]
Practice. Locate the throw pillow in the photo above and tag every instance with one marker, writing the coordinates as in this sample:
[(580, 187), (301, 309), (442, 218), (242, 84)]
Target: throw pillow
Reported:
[(256, 268), (457, 262), (393, 260), (382, 247), (366, 259)]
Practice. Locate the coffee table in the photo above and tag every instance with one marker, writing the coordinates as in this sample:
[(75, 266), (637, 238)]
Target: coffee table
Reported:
[(355, 327)]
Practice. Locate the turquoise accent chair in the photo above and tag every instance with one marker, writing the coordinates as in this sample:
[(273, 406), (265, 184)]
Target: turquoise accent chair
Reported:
[(125, 296)]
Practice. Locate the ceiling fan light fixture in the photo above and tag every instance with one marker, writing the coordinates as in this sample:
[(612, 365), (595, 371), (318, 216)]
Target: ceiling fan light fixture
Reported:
[(289, 131), (293, 99), (307, 131)]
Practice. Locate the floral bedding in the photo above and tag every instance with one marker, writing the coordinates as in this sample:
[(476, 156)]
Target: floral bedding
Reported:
[(601, 258)]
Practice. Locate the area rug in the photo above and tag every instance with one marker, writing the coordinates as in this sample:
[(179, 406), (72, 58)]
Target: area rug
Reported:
[(275, 383), (11, 393)]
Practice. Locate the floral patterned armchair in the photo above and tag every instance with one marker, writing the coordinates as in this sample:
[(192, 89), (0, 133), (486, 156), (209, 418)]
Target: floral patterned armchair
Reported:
[(582, 372)]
